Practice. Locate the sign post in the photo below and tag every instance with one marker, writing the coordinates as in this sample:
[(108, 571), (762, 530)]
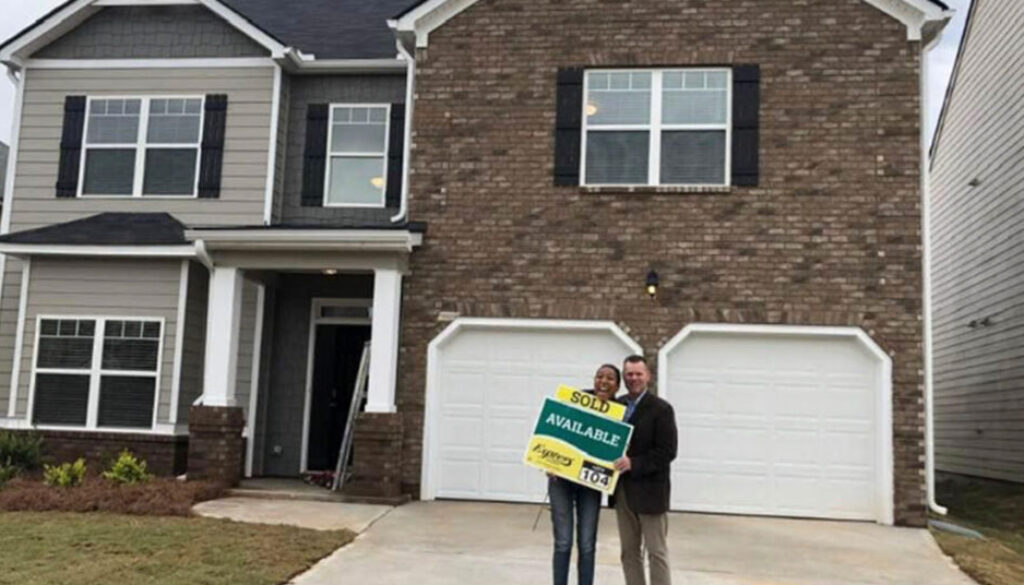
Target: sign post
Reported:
[(579, 442)]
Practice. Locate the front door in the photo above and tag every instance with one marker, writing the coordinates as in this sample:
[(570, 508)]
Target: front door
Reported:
[(337, 351)]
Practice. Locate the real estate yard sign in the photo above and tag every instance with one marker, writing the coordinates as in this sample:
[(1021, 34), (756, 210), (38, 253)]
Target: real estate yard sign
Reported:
[(578, 444)]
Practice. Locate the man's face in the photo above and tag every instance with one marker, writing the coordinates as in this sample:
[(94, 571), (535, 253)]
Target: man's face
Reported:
[(637, 376)]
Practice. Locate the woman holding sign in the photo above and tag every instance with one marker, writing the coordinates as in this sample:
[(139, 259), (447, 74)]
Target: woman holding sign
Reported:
[(567, 497)]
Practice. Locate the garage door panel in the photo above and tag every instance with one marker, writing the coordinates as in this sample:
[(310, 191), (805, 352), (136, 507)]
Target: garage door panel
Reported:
[(506, 373), (775, 424), (459, 433), (461, 478)]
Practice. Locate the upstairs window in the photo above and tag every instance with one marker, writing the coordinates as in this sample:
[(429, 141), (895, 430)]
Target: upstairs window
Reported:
[(657, 127), (138, 147), (357, 146)]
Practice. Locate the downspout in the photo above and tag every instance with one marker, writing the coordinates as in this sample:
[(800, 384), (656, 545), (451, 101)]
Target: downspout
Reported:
[(410, 75), (926, 259)]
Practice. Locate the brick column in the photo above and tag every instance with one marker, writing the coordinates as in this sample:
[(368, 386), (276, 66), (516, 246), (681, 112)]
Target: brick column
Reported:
[(216, 447), (377, 456)]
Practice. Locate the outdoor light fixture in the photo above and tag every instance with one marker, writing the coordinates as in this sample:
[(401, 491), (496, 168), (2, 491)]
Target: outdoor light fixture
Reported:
[(652, 283), (330, 271)]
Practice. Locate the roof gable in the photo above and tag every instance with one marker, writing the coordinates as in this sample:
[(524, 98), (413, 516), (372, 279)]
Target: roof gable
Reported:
[(69, 15), (420, 19)]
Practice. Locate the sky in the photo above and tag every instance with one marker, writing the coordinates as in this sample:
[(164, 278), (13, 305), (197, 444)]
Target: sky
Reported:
[(20, 13)]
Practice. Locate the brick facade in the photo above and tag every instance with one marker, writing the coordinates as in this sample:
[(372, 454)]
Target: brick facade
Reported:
[(216, 449), (829, 237), (164, 455), (376, 471)]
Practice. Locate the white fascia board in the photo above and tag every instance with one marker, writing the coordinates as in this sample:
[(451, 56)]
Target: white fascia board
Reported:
[(914, 14), (427, 17), (22, 250), (432, 14), (49, 30), (398, 240), (189, 63), (305, 65)]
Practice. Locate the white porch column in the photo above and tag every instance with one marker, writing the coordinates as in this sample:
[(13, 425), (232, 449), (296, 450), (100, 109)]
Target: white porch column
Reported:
[(387, 305), (222, 318)]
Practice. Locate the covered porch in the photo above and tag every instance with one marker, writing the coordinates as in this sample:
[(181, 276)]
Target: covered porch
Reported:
[(289, 315)]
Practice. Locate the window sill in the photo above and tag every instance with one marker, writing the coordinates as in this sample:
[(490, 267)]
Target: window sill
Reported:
[(657, 189)]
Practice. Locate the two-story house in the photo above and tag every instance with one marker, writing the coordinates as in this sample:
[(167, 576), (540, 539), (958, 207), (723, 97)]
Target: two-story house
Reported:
[(217, 204)]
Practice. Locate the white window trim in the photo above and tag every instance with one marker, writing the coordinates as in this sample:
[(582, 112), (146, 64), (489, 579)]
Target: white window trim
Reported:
[(384, 155), (655, 127), (95, 372), (140, 146)]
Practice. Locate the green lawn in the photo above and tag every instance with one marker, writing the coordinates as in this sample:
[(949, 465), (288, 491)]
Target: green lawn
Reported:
[(39, 548), (996, 509)]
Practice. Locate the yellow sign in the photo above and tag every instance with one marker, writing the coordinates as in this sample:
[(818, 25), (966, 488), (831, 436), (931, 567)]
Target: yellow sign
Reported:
[(590, 402), (577, 437)]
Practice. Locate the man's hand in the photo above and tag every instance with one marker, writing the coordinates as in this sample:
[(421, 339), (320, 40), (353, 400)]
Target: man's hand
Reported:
[(623, 464)]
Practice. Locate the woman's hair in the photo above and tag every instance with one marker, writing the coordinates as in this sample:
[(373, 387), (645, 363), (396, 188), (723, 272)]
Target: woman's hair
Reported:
[(618, 375)]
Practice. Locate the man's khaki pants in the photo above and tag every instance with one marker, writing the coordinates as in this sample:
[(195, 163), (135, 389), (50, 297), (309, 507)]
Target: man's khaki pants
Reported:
[(635, 531)]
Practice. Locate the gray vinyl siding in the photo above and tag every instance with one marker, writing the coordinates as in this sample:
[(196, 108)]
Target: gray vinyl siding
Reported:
[(978, 254), (104, 287), (194, 343), (247, 141), (285, 400), (8, 328), (320, 89), (283, 123), (246, 337), (152, 32)]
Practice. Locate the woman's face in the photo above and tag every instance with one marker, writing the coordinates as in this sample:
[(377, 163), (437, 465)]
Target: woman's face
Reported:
[(606, 383)]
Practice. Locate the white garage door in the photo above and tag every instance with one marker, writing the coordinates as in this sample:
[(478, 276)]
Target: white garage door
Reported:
[(779, 424), (487, 383)]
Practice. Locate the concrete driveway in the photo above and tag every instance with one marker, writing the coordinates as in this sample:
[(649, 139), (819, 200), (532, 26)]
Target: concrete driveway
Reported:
[(470, 543)]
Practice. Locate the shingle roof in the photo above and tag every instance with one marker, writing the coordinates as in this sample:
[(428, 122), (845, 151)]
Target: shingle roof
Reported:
[(107, 229), (329, 29)]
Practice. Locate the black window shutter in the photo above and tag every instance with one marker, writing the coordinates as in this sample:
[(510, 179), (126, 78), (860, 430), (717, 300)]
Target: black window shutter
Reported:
[(314, 166), (396, 151), (746, 105), (212, 158), (71, 146), (568, 126)]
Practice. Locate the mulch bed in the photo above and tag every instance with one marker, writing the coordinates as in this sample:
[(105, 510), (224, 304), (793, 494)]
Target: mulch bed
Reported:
[(157, 497)]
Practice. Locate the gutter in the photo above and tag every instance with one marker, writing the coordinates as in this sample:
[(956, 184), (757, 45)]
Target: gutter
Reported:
[(926, 260), (410, 84)]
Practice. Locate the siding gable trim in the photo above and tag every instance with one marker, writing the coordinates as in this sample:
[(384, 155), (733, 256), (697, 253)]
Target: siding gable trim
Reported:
[(72, 13)]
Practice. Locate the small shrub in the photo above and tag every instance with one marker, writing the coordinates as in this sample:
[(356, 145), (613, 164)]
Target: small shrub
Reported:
[(7, 473), (65, 474), (127, 469), (21, 450)]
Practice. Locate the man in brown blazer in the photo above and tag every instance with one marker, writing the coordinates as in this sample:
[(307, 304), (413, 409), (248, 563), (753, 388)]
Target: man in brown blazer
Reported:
[(642, 495)]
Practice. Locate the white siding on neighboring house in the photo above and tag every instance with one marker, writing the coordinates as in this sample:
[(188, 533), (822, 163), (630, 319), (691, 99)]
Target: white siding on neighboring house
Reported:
[(978, 253)]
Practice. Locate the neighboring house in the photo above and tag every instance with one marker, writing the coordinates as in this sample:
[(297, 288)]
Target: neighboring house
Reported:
[(200, 248), (977, 240)]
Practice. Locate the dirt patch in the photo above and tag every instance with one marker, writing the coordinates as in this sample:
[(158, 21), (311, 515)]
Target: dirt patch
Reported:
[(157, 497), (995, 509)]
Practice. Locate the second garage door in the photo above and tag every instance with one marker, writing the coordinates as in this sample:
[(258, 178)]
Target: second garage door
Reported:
[(487, 379), (788, 422)]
